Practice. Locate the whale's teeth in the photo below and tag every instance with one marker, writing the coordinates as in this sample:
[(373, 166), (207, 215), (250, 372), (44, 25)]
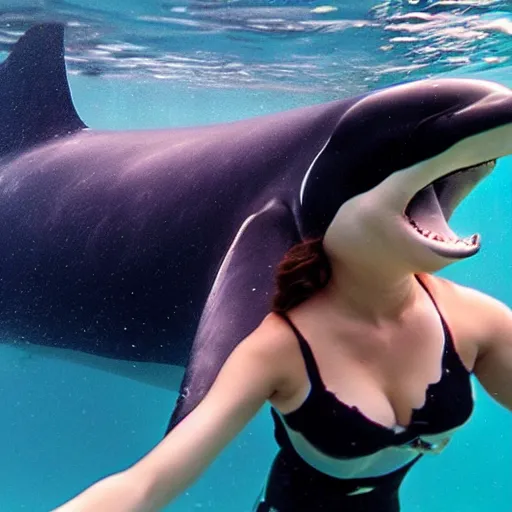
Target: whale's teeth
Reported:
[(438, 237)]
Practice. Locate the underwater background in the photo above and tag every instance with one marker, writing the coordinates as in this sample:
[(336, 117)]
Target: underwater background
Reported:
[(142, 64)]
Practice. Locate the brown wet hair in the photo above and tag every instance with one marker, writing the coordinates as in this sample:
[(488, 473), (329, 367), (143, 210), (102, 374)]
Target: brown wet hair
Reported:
[(303, 271)]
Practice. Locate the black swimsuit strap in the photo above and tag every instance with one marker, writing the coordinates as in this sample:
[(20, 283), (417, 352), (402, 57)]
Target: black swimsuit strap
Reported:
[(446, 330), (425, 287), (309, 359)]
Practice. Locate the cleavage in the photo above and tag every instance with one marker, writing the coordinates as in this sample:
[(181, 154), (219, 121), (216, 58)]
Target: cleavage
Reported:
[(386, 386)]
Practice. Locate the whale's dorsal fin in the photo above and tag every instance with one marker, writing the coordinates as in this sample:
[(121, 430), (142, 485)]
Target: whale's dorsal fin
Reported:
[(35, 100)]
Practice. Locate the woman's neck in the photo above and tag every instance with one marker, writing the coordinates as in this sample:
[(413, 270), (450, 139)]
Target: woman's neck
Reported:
[(371, 294)]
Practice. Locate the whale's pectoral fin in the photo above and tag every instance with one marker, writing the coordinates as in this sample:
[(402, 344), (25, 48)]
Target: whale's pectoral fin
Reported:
[(239, 299), (35, 100)]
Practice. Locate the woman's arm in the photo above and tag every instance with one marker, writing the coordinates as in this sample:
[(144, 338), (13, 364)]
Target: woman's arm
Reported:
[(493, 366), (249, 377)]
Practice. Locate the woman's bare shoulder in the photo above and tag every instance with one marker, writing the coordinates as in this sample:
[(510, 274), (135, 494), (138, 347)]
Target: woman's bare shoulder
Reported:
[(473, 315), (274, 344), (273, 336), (465, 296)]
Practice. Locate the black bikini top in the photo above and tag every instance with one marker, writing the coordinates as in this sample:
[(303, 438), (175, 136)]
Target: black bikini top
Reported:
[(342, 431)]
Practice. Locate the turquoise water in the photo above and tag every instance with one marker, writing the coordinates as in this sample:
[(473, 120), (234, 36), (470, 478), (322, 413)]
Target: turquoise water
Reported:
[(65, 426)]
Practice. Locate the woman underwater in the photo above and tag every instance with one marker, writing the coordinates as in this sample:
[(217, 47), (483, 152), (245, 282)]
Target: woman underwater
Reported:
[(377, 341), (365, 358)]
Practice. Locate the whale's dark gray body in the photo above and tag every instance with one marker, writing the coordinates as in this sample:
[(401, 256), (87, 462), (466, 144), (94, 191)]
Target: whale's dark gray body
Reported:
[(160, 246)]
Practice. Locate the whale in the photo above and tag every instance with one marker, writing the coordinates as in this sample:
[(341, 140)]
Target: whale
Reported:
[(146, 250)]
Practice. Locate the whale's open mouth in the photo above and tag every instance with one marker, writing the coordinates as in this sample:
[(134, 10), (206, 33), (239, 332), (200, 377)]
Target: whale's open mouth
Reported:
[(430, 209)]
